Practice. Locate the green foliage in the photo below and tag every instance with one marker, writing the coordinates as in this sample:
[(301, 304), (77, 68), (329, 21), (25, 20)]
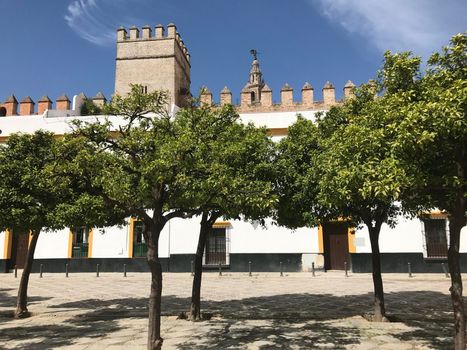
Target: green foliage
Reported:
[(28, 199), (342, 166), (432, 128), (147, 156), (232, 169), (90, 108), (400, 72), (296, 176), (36, 191)]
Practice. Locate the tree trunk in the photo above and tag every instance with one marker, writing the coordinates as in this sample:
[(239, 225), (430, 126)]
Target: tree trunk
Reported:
[(154, 325), (380, 311), (195, 310), (456, 222), (22, 301)]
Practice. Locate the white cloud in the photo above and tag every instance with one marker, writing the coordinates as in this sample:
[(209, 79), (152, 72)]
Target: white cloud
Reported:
[(421, 26), (97, 20)]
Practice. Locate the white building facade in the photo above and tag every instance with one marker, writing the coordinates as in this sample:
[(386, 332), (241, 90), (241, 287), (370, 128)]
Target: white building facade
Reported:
[(234, 245)]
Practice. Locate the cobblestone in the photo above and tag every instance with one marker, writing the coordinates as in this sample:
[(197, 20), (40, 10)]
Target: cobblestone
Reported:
[(265, 311)]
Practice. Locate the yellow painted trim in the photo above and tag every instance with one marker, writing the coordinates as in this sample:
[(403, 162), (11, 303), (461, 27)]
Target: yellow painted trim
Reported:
[(90, 239), (351, 237), (7, 246), (30, 238), (277, 132), (70, 243), (131, 237), (434, 214), (221, 224), (320, 239)]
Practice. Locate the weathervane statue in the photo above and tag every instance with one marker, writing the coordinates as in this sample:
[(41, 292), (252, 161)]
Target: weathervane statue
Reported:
[(254, 53)]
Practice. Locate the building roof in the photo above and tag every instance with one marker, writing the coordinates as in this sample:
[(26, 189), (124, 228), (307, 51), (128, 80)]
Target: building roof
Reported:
[(27, 99), (45, 98), (328, 85), (63, 98), (99, 96), (11, 99)]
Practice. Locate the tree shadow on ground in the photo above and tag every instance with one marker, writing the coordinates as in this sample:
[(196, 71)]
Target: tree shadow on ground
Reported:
[(8, 302), (277, 334), (427, 313), (51, 336)]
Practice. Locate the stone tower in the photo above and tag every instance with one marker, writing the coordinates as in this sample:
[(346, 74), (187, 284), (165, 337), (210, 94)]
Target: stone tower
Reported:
[(255, 82), (158, 62)]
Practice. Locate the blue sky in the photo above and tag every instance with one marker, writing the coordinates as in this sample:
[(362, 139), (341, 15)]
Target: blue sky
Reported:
[(68, 46)]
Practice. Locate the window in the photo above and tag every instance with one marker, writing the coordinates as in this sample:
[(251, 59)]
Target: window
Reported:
[(253, 96), (435, 238), (140, 247), (80, 242), (2, 111), (216, 247)]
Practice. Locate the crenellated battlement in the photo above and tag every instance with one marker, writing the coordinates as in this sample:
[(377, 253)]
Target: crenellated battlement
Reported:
[(254, 102), (146, 33), (45, 106)]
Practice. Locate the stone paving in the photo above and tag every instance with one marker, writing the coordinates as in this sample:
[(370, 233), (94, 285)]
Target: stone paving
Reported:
[(265, 311)]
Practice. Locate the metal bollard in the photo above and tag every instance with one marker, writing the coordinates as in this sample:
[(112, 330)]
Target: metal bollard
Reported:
[(282, 269), (249, 268), (40, 270), (97, 270), (445, 270), (16, 271), (220, 269), (66, 270), (410, 269), (124, 270), (345, 268), (192, 268), (313, 269)]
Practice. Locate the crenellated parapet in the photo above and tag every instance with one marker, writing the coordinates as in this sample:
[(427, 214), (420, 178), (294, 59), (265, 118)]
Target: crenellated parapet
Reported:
[(160, 33), (249, 101), (45, 106)]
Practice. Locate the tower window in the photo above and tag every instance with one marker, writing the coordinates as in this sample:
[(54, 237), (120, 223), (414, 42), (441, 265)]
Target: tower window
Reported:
[(253, 96), (2, 111)]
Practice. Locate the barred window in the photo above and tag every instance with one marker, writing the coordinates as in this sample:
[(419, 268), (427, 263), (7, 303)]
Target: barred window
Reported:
[(435, 236)]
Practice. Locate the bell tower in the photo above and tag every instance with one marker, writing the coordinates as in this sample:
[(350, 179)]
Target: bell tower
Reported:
[(255, 81), (158, 61)]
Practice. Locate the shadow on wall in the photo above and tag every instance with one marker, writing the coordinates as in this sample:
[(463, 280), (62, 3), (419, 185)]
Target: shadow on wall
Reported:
[(291, 320)]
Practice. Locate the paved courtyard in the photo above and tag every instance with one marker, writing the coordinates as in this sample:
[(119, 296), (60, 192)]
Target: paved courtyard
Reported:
[(264, 311)]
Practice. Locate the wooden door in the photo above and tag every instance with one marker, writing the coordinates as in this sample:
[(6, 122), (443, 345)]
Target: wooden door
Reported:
[(19, 250), (336, 246)]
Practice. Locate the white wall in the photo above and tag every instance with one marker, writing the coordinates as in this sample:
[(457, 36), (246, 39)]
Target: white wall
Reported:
[(110, 242), (463, 242), (2, 245), (52, 245), (245, 238), (184, 235), (406, 237)]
